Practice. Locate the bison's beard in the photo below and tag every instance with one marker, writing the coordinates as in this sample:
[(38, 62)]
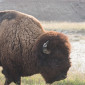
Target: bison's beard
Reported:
[(60, 77), (56, 78)]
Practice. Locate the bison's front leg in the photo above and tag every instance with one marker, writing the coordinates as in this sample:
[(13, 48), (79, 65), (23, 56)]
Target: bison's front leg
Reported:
[(7, 82), (18, 82)]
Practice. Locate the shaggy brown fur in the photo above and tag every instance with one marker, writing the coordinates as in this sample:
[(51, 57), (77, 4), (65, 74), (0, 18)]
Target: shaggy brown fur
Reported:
[(54, 66), (21, 49)]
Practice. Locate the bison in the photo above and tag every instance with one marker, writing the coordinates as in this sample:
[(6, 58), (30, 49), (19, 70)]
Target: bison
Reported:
[(27, 49)]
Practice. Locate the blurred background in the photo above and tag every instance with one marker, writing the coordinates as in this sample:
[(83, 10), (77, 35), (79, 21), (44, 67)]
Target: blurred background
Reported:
[(49, 10), (66, 16)]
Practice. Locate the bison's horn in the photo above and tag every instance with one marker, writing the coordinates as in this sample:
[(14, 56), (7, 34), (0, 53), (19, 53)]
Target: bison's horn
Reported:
[(45, 50)]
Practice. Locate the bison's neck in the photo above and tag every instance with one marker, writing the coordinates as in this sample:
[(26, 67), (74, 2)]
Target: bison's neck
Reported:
[(30, 60)]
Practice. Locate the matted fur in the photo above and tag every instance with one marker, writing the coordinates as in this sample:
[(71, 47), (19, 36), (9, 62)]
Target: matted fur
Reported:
[(21, 49)]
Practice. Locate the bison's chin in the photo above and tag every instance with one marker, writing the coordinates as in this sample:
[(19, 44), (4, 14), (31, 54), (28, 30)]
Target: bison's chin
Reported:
[(58, 78)]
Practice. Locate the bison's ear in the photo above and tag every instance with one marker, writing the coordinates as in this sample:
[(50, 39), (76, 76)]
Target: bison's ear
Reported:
[(45, 50)]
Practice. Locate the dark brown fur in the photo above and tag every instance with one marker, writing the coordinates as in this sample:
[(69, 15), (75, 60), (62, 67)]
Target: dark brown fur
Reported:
[(54, 66), (21, 41)]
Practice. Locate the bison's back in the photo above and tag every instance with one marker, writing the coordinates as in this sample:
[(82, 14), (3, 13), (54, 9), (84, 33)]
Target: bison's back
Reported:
[(13, 20), (18, 33)]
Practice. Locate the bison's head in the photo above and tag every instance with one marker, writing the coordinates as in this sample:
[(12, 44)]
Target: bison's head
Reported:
[(52, 50)]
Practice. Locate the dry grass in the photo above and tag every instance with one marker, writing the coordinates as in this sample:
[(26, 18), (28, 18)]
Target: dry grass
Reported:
[(63, 25)]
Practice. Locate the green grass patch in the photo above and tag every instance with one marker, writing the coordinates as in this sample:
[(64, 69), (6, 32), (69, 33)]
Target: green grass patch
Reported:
[(71, 82)]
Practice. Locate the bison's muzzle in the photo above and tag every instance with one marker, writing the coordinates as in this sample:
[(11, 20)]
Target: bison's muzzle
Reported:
[(57, 78)]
